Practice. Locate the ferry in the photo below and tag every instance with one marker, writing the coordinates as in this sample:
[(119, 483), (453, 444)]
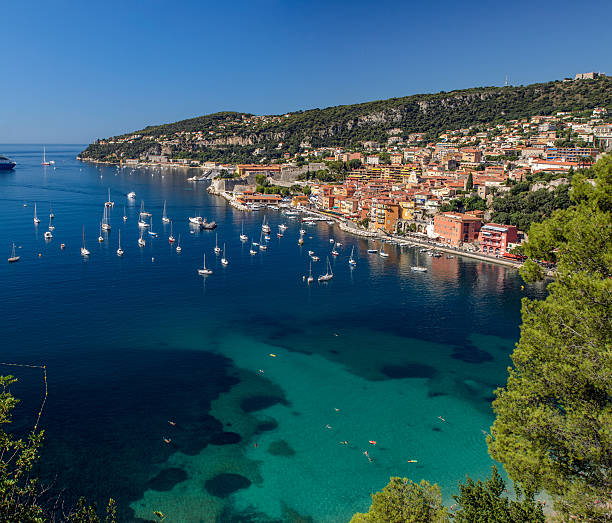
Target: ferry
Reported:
[(6, 164)]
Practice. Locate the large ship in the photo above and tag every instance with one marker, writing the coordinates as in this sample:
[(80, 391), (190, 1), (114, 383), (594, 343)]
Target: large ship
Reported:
[(6, 163)]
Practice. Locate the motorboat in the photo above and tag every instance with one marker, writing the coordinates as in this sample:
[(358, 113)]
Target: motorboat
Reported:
[(6, 164), (131, 195), (48, 235)]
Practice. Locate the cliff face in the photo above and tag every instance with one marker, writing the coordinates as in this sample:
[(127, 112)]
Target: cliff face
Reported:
[(243, 137)]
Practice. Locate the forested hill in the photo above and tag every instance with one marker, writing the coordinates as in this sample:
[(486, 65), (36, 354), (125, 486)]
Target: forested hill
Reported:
[(236, 136)]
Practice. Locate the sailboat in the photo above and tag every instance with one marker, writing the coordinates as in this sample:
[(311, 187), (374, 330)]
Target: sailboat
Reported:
[(109, 203), (119, 250), (243, 237), (100, 238), (224, 259), (51, 215), (171, 237), (178, 245), (265, 227), (84, 251), (44, 158), (13, 258), (165, 219), (105, 225), (217, 248), (48, 235), (143, 213), (382, 252), (141, 242), (329, 274), (310, 279), (262, 246), (51, 226), (131, 195), (36, 218), (417, 267), (301, 240), (124, 214), (204, 271), (150, 231), (335, 252), (351, 259)]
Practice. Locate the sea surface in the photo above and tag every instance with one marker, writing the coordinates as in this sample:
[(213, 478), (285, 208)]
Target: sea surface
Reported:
[(275, 388)]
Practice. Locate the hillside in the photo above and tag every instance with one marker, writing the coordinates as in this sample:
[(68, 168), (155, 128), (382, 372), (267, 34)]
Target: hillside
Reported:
[(241, 137)]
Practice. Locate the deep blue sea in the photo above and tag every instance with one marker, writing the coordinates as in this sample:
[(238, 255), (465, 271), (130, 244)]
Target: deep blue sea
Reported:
[(264, 377)]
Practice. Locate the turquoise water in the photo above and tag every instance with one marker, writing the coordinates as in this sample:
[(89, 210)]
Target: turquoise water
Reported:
[(378, 353)]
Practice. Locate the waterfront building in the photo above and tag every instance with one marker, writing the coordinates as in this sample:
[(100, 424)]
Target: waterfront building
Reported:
[(456, 228), (494, 238)]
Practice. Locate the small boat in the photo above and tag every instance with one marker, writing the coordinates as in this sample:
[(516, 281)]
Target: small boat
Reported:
[(282, 227), (105, 225), (252, 251), (329, 274), (36, 218), (302, 231), (44, 158), (13, 258), (352, 261), (178, 245), (171, 237), (124, 214), (48, 235), (310, 253), (417, 267), (100, 238), (315, 258), (217, 249), (264, 226), (131, 195), (436, 254), (243, 237), (150, 231), (51, 215), (310, 279), (310, 222), (204, 271), (372, 251), (84, 251), (335, 252), (109, 203), (205, 224), (382, 252), (331, 240), (6, 164), (224, 259), (165, 218), (143, 213), (267, 238), (279, 234), (51, 226), (449, 256), (338, 244), (141, 242), (301, 239), (120, 250)]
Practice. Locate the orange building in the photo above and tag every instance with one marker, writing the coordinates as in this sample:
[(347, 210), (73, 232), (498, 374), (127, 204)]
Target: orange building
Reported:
[(456, 228)]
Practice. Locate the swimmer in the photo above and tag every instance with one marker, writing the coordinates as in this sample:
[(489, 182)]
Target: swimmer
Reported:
[(172, 423), (167, 440)]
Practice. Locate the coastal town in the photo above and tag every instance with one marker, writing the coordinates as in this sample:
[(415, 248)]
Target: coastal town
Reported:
[(442, 191)]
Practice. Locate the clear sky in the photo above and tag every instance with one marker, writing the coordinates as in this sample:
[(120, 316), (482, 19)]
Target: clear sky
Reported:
[(76, 71)]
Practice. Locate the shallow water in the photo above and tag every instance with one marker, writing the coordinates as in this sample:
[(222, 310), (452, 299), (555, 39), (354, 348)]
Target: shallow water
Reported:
[(378, 353)]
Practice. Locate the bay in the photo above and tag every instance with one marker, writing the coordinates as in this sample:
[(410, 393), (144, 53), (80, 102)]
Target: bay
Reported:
[(263, 376)]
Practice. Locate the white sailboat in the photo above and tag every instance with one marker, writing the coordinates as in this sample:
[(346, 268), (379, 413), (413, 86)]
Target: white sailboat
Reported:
[(51, 226), (143, 213), (417, 267), (171, 237), (141, 241), (105, 225), (150, 231), (262, 246), (310, 279), (264, 226), (382, 252), (351, 259), (329, 274), (36, 218), (165, 218), (124, 214), (100, 238), (301, 239), (51, 215), (204, 271), (217, 248), (178, 245), (224, 259), (13, 258), (131, 195), (48, 235), (109, 203), (44, 158), (119, 250), (243, 237), (84, 251)]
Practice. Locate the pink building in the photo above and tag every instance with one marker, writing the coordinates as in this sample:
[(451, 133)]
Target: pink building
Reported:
[(494, 238)]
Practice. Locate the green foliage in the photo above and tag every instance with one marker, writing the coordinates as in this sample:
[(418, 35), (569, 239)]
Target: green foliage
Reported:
[(20, 492), (384, 158), (403, 501), (554, 417), (469, 184), (468, 203), (350, 125), (306, 190), (486, 503)]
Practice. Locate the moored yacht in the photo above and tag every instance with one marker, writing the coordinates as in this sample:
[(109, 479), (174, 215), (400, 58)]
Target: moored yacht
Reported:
[(6, 164), (13, 258)]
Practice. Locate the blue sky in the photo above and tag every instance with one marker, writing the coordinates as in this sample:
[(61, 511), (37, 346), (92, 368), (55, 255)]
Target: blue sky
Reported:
[(75, 71)]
